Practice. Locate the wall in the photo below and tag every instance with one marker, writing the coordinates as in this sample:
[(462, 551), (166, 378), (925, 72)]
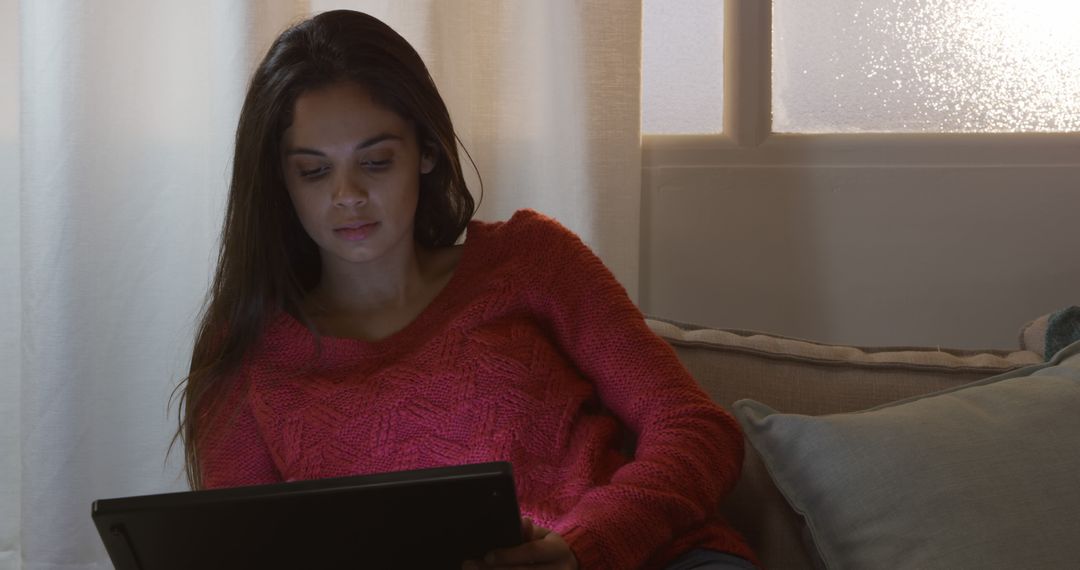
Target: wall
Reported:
[(898, 254)]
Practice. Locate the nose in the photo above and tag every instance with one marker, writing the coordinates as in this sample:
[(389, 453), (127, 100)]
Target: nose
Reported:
[(349, 192)]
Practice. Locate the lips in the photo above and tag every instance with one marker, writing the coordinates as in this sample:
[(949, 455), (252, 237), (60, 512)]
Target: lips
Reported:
[(355, 231)]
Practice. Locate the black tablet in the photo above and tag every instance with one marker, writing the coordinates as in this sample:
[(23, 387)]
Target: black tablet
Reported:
[(430, 518)]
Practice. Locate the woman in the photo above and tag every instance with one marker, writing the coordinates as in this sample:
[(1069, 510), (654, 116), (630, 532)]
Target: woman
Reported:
[(350, 331)]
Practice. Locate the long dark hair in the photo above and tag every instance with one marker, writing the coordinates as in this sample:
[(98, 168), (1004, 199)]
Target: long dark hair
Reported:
[(267, 262)]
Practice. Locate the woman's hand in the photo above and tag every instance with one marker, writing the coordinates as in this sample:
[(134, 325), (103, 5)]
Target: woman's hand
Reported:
[(542, 550)]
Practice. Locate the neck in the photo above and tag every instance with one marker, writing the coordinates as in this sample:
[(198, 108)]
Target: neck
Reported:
[(358, 288)]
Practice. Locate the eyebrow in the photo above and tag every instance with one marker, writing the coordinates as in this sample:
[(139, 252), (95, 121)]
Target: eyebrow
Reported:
[(360, 146)]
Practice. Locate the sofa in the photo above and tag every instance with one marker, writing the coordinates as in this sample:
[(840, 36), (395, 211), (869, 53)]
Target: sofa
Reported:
[(897, 457)]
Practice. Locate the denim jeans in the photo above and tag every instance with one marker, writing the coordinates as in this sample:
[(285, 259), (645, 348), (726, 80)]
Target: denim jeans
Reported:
[(703, 559)]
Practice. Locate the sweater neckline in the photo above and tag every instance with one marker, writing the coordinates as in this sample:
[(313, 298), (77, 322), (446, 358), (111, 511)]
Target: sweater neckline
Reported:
[(438, 305)]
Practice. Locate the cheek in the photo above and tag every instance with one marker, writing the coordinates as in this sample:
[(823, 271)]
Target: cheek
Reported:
[(398, 187), (304, 209), (297, 206), (409, 193)]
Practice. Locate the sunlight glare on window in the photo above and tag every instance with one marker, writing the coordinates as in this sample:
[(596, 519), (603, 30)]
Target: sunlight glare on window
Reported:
[(926, 66)]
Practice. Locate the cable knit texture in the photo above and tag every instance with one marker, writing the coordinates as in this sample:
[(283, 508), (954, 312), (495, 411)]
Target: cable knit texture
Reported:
[(528, 355)]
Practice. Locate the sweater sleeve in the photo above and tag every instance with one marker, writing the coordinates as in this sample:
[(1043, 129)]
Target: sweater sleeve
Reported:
[(689, 451), (233, 452)]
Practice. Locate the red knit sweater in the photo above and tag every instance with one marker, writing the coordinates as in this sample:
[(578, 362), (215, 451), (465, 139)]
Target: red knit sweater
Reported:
[(525, 356)]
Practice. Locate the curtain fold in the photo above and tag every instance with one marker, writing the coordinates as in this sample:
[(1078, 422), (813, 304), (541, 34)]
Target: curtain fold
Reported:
[(116, 129), (10, 295)]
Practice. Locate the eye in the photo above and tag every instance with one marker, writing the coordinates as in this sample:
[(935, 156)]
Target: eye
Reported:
[(314, 173), (377, 165)]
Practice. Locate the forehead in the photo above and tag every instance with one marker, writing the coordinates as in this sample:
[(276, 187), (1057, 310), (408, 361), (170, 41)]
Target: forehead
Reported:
[(341, 113)]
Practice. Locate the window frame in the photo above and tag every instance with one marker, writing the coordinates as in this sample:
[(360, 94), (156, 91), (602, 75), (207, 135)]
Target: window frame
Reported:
[(747, 122)]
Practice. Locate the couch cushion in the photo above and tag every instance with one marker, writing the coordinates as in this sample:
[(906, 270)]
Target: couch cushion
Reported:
[(985, 475), (806, 377)]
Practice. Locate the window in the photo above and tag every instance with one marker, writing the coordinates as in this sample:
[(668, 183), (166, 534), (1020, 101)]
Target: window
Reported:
[(682, 66), (879, 161), (926, 66), (859, 66)]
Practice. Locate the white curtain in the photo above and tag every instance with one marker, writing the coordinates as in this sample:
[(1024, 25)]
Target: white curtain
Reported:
[(116, 123)]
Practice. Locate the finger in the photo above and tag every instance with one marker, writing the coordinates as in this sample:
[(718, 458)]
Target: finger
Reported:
[(526, 529), (538, 532)]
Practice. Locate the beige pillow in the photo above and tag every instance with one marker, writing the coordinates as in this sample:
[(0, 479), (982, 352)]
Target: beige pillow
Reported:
[(986, 475)]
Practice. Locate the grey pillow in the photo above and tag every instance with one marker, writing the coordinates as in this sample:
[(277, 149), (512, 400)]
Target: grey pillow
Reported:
[(986, 475)]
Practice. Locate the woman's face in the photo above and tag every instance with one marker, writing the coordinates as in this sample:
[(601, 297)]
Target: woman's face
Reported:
[(352, 169)]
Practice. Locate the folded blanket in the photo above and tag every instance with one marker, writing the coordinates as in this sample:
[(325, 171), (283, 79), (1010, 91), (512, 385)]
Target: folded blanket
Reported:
[(1062, 329)]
